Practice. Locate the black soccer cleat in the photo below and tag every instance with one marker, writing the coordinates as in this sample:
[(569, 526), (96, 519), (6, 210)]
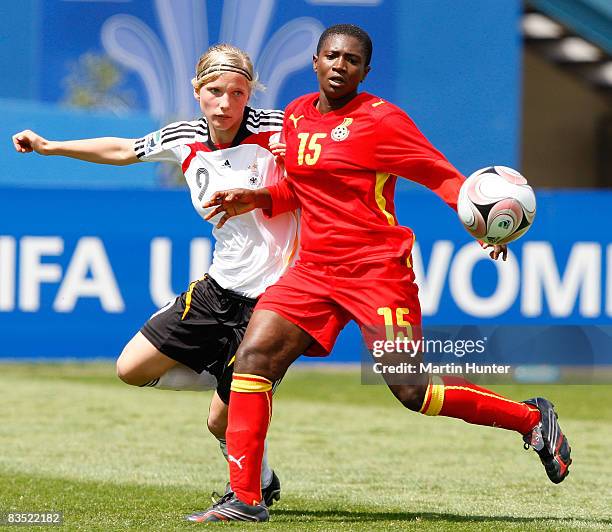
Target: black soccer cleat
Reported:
[(230, 508), (548, 441), (272, 491)]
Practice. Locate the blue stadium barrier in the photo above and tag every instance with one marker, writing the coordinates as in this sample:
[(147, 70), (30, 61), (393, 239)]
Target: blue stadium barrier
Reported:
[(80, 271)]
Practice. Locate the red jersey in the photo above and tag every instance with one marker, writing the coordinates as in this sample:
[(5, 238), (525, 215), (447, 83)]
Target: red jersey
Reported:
[(342, 167)]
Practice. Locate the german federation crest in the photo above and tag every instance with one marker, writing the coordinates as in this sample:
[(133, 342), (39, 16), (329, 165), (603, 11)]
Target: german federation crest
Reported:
[(254, 177)]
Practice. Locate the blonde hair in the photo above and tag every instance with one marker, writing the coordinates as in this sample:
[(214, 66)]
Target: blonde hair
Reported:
[(222, 58)]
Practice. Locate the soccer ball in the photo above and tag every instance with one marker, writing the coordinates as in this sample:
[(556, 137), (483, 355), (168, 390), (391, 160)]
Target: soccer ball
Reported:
[(496, 205)]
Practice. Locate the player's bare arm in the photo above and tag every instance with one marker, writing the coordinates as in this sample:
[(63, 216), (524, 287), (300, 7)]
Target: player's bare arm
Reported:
[(237, 201), (103, 150)]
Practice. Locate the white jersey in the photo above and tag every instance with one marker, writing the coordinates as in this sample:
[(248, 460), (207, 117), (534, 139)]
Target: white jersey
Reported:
[(251, 251)]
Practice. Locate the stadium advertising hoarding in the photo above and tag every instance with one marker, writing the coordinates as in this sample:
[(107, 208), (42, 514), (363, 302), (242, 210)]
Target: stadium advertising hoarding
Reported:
[(80, 271), (434, 59)]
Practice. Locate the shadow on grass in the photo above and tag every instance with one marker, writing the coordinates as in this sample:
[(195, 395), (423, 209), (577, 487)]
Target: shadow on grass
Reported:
[(381, 516), (130, 506)]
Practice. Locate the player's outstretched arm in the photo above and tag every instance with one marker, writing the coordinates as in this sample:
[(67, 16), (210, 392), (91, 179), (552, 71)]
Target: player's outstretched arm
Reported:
[(104, 150), (236, 201)]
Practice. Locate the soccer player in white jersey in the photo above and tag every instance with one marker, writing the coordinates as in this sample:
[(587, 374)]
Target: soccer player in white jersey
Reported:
[(190, 343)]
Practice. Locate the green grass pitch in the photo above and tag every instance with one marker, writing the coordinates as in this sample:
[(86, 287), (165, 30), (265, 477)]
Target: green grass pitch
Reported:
[(114, 457)]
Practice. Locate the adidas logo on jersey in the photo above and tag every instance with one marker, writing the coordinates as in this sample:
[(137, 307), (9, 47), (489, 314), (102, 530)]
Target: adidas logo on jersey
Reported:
[(226, 164)]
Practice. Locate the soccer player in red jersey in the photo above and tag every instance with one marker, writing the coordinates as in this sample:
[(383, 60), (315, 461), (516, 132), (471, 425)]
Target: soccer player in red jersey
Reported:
[(344, 152)]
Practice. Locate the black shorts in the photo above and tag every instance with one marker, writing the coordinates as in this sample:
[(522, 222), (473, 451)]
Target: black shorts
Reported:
[(202, 329)]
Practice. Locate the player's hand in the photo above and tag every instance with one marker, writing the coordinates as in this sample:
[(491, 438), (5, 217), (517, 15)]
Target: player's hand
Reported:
[(231, 203), (278, 149), (496, 251), (27, 141)]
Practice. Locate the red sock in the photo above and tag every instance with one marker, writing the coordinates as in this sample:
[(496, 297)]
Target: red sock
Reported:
[(456, 397), (250, 410)]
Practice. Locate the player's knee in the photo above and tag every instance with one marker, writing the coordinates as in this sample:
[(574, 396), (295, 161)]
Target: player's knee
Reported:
[(256, 360), (412, 396), (123, 372), (217, 424), (127, 372)]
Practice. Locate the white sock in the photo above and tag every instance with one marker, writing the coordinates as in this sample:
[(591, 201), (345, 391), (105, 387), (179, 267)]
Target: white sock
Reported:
[(181, 377), (266, 472), (223, 447)]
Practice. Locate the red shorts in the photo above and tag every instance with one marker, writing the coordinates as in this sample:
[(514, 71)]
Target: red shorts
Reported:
[(321, 299)]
